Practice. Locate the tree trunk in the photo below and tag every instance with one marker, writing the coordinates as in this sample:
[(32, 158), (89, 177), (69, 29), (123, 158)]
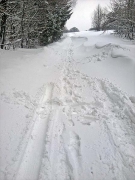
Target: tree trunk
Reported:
[(22, 25), (3, 3)]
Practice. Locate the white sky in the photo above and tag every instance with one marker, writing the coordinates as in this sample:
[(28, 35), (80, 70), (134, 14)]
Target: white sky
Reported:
[(81, 18)]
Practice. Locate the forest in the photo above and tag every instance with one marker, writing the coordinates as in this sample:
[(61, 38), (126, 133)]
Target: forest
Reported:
[(30, 23)]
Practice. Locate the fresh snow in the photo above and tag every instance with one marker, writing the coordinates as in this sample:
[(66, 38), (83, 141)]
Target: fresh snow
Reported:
[(67, 111)]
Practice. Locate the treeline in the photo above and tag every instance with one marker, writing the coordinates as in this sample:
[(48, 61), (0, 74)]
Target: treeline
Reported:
[(30, 23), (120, 16), (73, 29)]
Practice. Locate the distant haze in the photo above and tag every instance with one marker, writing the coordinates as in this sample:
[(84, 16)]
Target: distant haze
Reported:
[(81, 17)]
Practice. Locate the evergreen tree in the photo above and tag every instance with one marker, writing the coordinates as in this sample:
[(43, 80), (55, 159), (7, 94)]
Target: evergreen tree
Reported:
[(57, 14), (33, 22)]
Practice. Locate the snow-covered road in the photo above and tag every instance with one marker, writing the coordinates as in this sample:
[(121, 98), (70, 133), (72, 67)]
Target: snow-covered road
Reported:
[(76, 124)]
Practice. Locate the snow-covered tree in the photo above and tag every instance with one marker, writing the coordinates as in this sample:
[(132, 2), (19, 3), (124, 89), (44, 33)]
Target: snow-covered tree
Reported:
[(122, 17), (58, 12), (33, 22), (74, 29)]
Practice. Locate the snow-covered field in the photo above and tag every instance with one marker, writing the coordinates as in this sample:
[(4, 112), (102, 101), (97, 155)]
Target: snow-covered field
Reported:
[(67, 111)]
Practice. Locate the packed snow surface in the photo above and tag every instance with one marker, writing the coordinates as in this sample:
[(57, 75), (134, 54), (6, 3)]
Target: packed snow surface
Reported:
[(67, 111)]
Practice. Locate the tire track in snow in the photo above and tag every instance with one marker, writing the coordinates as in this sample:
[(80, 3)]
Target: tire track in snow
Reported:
[(60, 161), (56, 163), (31, 161), (108, 106), (91, 101), (54, 150)]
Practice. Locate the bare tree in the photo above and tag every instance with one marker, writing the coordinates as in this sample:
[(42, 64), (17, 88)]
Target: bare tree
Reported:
[(97, 18), (122, 18)]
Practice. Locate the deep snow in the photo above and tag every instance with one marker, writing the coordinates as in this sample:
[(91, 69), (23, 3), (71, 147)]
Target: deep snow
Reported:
[(67, 111)]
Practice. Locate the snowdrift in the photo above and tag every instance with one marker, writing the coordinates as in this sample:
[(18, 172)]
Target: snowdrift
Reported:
[(67, 111)]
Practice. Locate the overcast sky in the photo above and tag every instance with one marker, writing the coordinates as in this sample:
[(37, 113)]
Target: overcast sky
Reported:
[(81, 18)]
